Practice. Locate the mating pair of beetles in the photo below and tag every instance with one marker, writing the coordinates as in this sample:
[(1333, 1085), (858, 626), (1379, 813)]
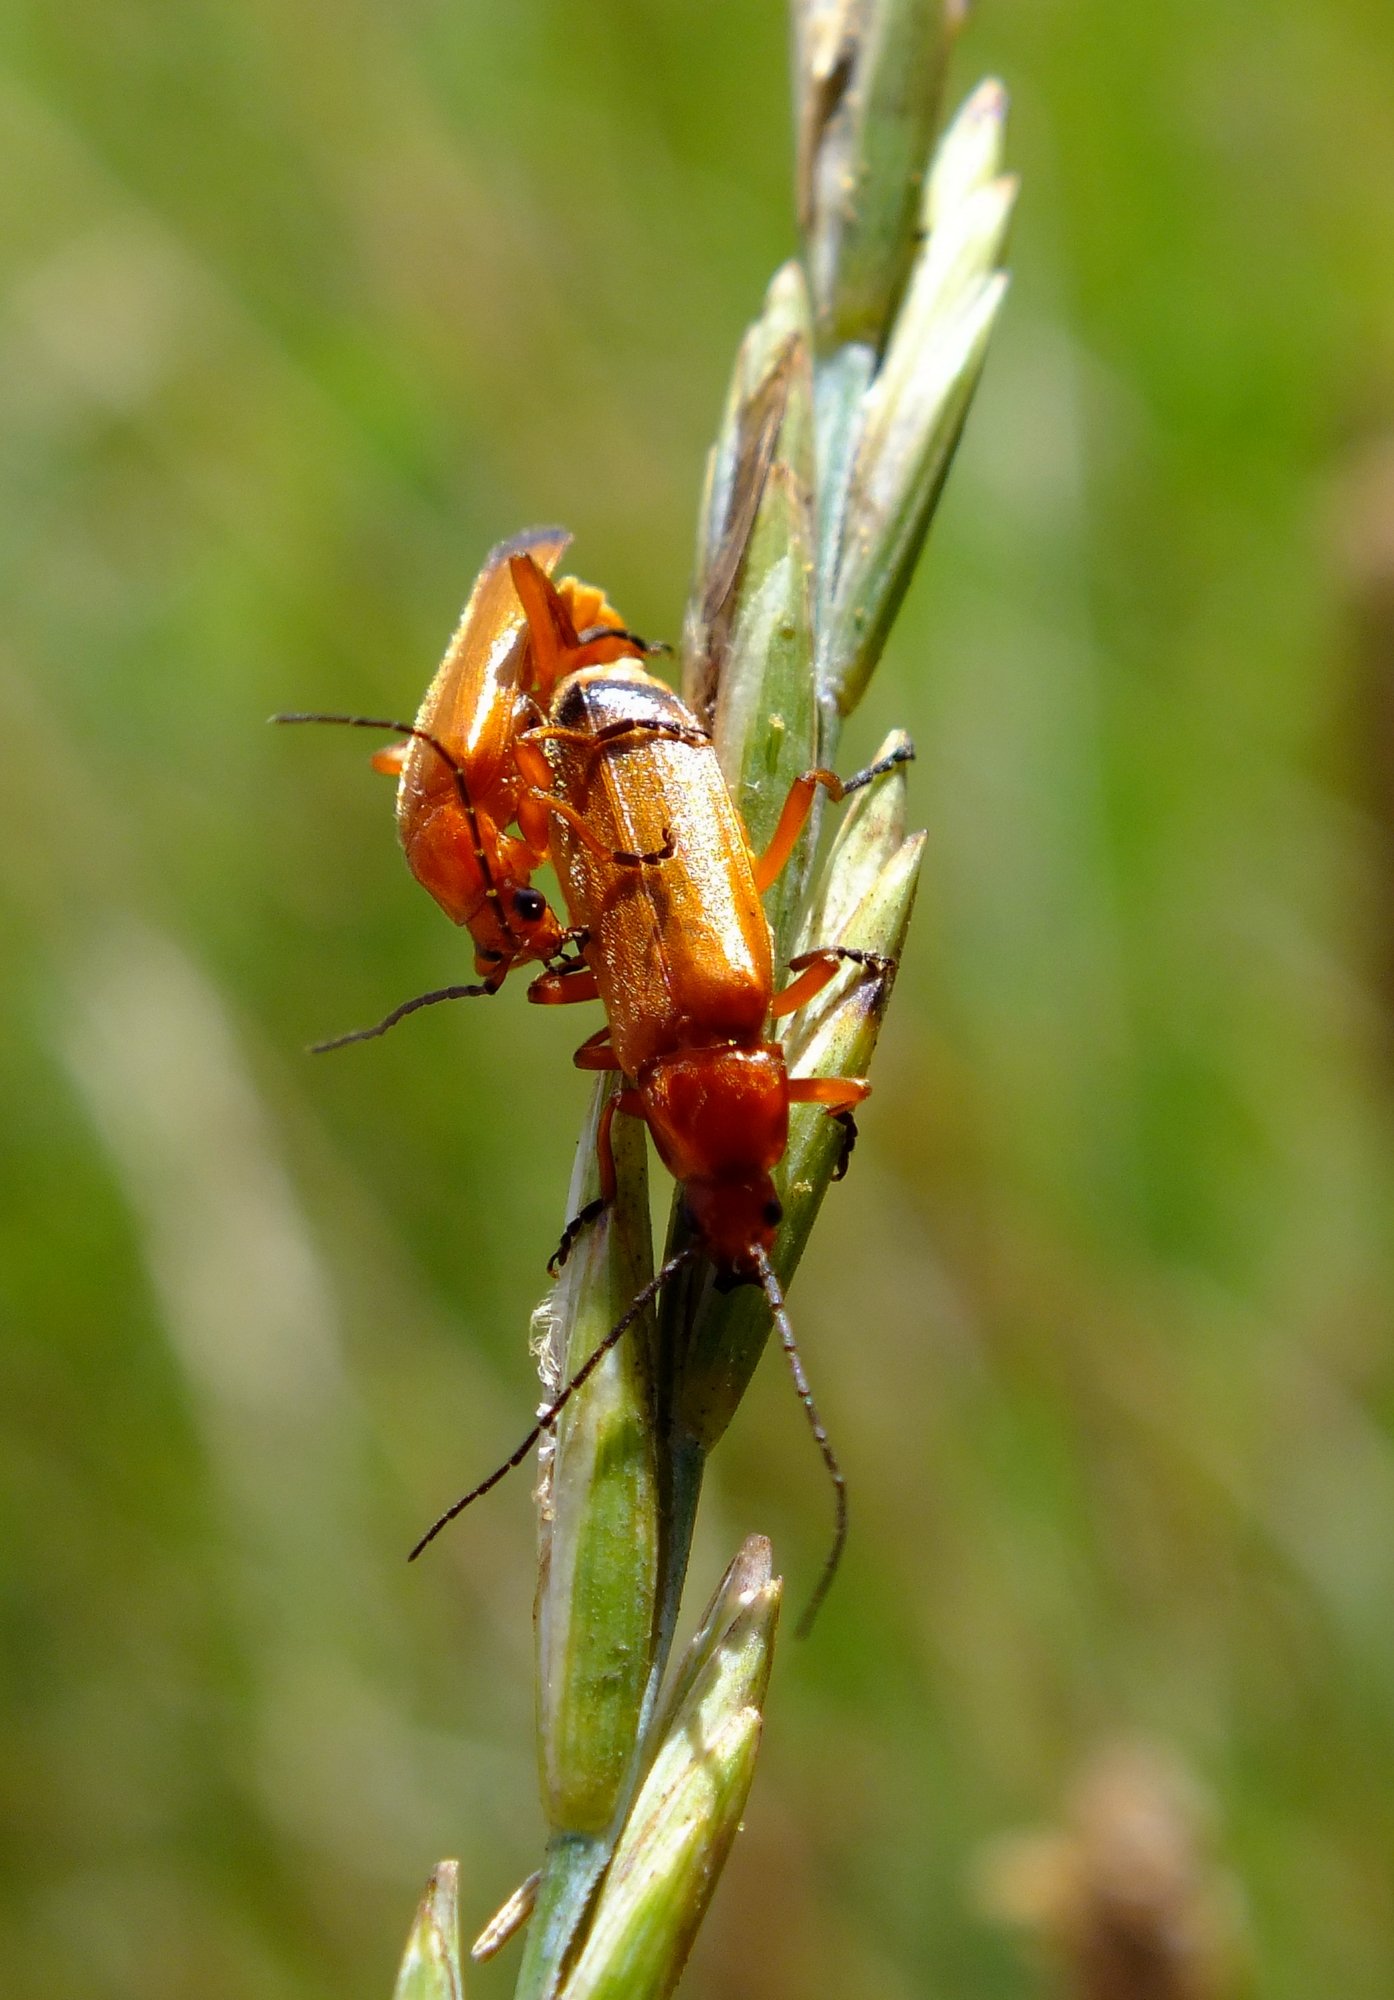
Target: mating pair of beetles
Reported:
[(543, 719)]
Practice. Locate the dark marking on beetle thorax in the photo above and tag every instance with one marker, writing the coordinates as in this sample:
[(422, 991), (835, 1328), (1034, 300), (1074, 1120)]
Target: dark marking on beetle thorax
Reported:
[(593, 702)]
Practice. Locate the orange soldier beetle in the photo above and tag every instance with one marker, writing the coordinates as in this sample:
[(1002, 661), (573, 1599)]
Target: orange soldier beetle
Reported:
[(681, 957), (464, 774)]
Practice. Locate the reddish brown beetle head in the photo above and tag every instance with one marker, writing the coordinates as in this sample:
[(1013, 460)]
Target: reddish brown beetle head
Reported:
[(735, 1220), (507, 918), (720, 1120), (519, 926)]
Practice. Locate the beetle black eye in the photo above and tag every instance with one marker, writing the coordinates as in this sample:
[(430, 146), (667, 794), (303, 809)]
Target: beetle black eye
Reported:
[(529, 905), (774, 1213)]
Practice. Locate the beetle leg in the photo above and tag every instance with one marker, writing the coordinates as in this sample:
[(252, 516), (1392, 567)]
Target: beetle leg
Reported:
[(816, 968), (791, 823), (559, 985), (534, 826), (556, 732), (596, 846), (849, 1140), (578, 937), (902, 751), (531, 758), (600, 634), (534, 807), (534, 832), (538, 806), (552, 732), (601, 645), (596, 1052), (628, 1101), (674, 730), (835, 1093), (538, 597), (558, 648), (799, 803)]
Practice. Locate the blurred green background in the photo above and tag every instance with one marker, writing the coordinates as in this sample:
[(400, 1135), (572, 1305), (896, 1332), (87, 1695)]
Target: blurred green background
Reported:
[(305, 307)]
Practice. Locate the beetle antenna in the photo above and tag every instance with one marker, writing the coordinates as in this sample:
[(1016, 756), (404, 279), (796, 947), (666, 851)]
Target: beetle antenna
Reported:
[(649, 646), (902, 751), (381, 1027), (381, 723), (549, 1416), (778, 1313), (456, 769)]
